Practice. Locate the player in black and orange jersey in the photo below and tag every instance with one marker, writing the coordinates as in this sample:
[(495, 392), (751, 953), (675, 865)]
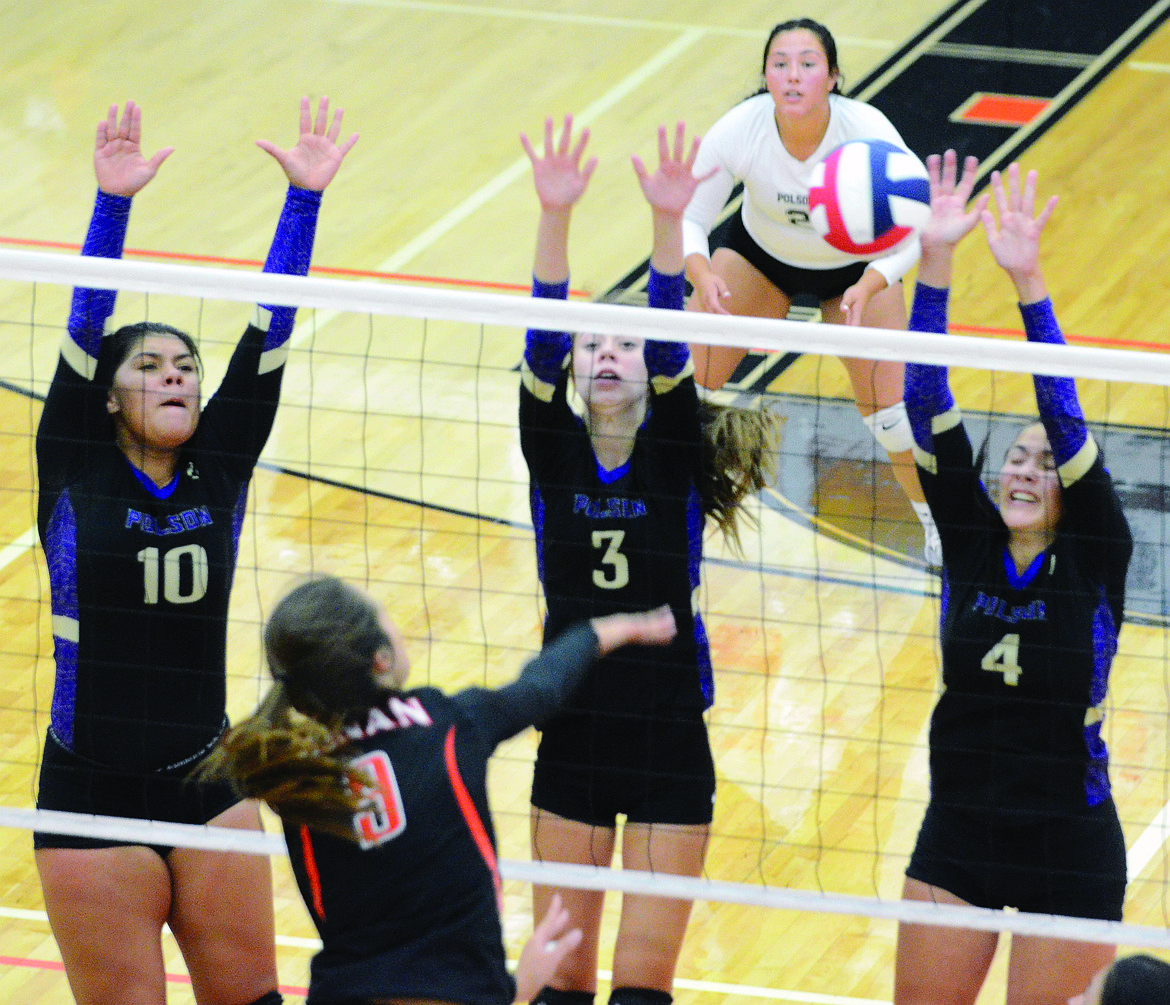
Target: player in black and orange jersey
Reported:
[(141, 499), (1020, 811), (383, 795), (616, 442)]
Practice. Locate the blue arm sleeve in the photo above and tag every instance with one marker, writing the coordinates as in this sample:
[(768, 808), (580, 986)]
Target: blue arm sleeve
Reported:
[(290, 255), (666, 359), (545, 351), (927, 392), (1056, 397), (104, 239)]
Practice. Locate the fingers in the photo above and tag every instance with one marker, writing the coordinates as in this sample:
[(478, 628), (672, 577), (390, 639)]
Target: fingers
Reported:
[(306, 121), (158, 158), (320, 125), (639, 168), (1045, 213), (526, 143)]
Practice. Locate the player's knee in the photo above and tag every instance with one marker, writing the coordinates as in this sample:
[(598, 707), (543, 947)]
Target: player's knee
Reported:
[(639, 996), (891, 428), (551, 996), (273, 997)]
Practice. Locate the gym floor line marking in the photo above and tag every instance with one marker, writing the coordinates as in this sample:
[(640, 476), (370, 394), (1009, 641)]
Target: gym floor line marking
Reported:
[(515, 171), (625, 23)]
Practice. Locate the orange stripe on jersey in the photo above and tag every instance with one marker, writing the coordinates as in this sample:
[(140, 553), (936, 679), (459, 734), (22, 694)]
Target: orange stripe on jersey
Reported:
[(311, 871), (479, 833)]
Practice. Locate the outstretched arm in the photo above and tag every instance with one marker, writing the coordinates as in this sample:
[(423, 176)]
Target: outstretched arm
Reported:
[(1015, 244), (560, 180), (668, 192), (926, 392), (548, 682), (244, 408), (122, 172)]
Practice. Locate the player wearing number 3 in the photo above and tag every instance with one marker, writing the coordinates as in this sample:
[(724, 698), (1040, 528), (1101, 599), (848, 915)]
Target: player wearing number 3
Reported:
[(1020, 811), (613, 433), (141, 500)]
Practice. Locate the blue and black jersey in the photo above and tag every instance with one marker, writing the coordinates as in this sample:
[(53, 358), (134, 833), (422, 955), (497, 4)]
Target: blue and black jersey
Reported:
[(141, 574), (622, 540), (1025, 656)]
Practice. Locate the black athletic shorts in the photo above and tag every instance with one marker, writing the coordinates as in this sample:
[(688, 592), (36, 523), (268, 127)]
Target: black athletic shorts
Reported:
[(76, 784), (824, 284), (590, 767), (1071, 864)]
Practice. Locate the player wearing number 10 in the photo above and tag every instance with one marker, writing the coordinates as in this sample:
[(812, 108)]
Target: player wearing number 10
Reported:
[(140, 506), (1033, 588)]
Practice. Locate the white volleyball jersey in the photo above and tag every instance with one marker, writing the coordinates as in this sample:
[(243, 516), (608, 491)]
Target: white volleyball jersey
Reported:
[(745, 145)]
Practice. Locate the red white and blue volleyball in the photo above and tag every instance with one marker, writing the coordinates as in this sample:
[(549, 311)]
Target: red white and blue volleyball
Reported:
[(868, 197)]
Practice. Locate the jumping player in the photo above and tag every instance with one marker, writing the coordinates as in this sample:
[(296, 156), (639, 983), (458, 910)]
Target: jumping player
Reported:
[(1020, 811), (383, 796), (141, 500), (771, 142), (619, 491)]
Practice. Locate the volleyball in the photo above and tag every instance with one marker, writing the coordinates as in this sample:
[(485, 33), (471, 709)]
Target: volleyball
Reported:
[(867, 197)]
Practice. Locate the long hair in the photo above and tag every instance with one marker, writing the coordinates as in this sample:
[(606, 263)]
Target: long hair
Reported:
[(321, 641), (824, 36), (739, 459)]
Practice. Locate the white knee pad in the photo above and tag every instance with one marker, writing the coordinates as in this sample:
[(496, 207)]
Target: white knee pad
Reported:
[(891, 428)]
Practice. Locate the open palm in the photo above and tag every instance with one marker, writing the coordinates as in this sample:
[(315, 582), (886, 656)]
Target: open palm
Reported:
[(117, 157), (313, 162)]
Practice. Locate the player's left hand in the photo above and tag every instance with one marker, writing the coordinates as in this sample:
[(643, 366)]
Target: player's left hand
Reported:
[(314, 161), (1015, 243), (853, 303), (542, 953), (669, 189)]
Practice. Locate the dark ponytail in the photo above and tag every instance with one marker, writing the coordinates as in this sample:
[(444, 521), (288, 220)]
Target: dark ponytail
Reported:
[(321, 641)]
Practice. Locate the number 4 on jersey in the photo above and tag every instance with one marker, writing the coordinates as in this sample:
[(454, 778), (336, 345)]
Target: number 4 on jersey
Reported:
[(1004, 658)]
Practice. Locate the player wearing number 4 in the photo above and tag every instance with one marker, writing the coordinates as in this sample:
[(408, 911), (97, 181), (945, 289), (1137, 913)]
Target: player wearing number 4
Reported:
[(1020, 811), (620, 485), (141, 499), (383, 795)]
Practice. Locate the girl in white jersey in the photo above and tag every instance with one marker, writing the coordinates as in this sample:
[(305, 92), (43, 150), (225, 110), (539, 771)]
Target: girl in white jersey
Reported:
[(771, 142)]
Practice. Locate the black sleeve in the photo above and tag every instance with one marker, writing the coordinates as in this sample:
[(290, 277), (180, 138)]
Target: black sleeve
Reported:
[(957, 499), (1095, 520), (544, 686)]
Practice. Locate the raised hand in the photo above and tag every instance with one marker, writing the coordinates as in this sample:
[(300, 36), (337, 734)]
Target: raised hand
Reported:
[(950, 220), (558, 174), (314, 161), (669, 189), (551, 942), (117, 157), (1015, 242)]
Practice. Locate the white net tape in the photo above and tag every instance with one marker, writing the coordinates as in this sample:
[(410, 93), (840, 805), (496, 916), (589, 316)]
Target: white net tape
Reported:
[(483, 308)]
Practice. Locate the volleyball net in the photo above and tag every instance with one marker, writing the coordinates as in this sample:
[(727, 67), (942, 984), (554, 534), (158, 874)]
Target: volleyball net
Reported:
[(395, 462)]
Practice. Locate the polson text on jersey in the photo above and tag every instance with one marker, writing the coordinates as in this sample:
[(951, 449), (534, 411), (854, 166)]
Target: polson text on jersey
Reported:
[(996, 608), (613, 508), (188, 519)]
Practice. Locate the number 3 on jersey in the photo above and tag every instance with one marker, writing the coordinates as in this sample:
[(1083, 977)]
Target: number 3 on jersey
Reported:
[(1004, 658), (615, 571), (384, 817)]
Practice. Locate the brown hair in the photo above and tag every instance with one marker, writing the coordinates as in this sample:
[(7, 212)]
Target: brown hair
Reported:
[(321, 641), (739, 455)]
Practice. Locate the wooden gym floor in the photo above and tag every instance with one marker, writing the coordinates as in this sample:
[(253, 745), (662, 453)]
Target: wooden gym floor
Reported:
[(408, 474)]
